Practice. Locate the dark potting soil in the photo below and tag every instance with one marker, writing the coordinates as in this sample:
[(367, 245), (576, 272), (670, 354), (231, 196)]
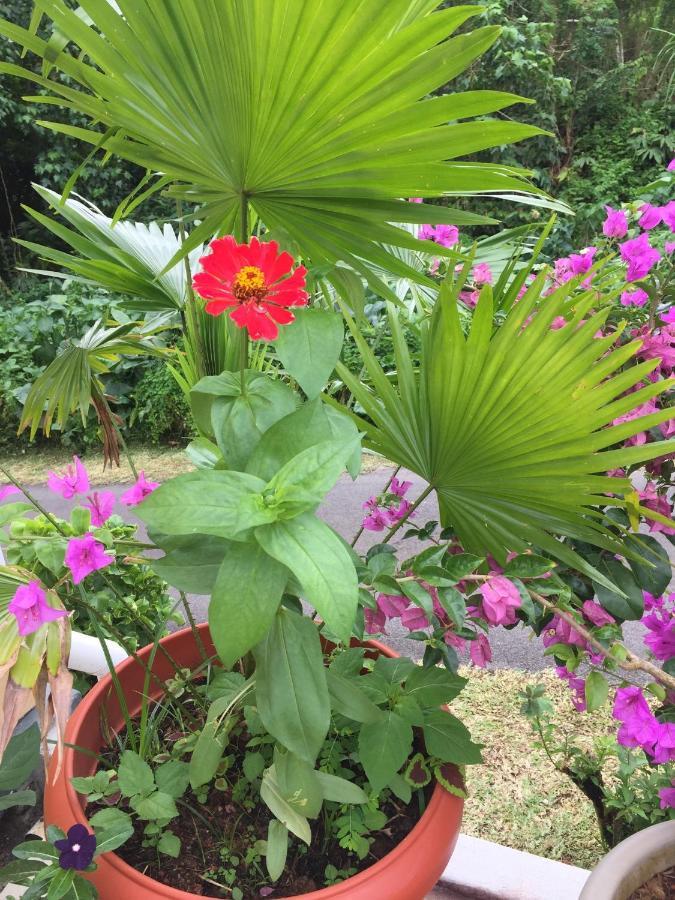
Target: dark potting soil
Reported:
[(660, 887), (224, 822)]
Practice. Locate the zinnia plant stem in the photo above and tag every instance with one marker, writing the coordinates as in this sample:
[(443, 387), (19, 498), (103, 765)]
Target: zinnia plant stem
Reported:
[(243, 336), (193, 627), (630, 662), (423, 496)]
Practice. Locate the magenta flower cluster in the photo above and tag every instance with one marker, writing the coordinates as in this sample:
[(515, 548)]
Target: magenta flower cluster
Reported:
[(640, 728), (389, 508), (495, 603), (84, 554), (659, 620)]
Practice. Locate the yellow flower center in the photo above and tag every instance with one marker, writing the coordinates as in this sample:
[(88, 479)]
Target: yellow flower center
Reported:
[(249, 283)]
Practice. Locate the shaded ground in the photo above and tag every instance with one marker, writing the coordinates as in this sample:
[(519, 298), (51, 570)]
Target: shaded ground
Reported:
[(342, 509)]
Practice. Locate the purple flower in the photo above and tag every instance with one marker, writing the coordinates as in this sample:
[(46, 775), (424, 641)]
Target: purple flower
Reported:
[(29, 606), (139, 491), (482, 274), (501, 599), (582, 262), (664, 744), (377, 519), (576, 685), (86, 555), (616, 223), (640, 256), (638, 297), (480, 651), (392, 605), (101, 507), (8, 490), (669, 247), (374, 620), (414, 619), (561, 632), (445, 235), (400, 488), (668, 216), (667, 794), (74, 480), (630, 704), (671, 166), (651, 216), (596, 614), (77, 849)]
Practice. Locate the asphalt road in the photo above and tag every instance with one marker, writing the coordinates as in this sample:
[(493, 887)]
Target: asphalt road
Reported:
[(342, 509)]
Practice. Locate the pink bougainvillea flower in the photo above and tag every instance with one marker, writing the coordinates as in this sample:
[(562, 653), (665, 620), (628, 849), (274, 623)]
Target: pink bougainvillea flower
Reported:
[(501, 599), (616, 223), (253, 282), (580, 263), (645, 409), (671, 166), (668, 216), (640, 256), (74, 480), (480, 651), (596, 614), (85, 555), (576, 685), (392, 605), (658, 503), (561, 632), (414, 619), (139, 491), (482, 274), (8, 490), (29, 606), (400, 488), (470, 298), (101, 507), (444, 235), (638, 297), (651, 216), (374, 620), (667, 794)]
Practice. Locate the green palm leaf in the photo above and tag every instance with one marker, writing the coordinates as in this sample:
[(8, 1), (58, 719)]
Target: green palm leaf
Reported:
[(315, 113), (126, 256), (72, 381), (513, 427)]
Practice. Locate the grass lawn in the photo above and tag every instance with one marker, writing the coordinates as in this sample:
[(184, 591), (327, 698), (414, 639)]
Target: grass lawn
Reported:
[(158, 463), (517, 798)]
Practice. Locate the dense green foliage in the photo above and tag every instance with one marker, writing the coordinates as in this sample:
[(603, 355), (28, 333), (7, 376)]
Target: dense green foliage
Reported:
[(36, 319), (591, 67)]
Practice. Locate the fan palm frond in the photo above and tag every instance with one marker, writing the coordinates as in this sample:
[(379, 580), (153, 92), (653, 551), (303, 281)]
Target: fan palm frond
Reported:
[(513, 427), (316, 114), (128, 257)]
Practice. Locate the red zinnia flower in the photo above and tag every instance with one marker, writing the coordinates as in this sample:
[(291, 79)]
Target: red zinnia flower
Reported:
[(251, 279)]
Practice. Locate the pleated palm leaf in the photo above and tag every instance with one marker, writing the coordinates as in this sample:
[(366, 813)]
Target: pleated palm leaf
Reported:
[(513, 427), (314, 114), (134, 260), (72, 382), (128, 257)]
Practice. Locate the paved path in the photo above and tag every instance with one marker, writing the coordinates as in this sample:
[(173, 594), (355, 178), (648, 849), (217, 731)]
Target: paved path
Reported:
[(342, 509)]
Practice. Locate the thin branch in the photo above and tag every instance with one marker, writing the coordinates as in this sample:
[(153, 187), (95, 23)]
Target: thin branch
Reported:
[(631, 662)]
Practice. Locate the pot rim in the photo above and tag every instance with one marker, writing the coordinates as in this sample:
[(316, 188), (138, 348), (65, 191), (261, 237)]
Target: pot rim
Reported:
[(632, 863), (435, 814)]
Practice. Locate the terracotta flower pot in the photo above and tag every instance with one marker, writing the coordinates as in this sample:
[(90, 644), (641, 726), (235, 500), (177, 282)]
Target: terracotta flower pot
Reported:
[(632, 863), (407, 873)]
